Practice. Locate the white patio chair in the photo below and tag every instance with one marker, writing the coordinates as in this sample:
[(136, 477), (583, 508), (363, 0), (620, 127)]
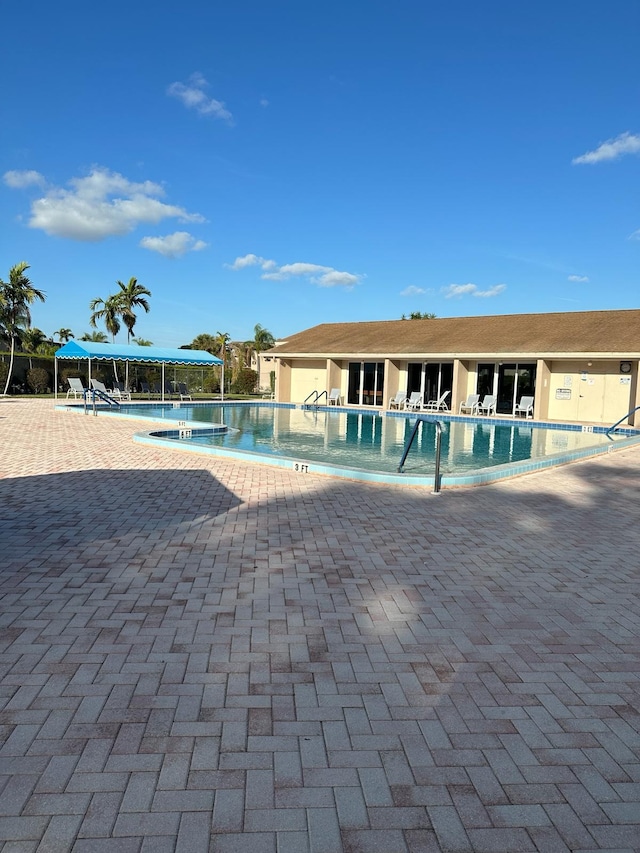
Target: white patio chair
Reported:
[(488, 405), (398, 401), (75, 387), (524, 407), (439, 404), (470, 405), (335, 397), (414, 402)]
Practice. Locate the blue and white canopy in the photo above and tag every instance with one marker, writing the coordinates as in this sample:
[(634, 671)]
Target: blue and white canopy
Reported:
[(134, 353)]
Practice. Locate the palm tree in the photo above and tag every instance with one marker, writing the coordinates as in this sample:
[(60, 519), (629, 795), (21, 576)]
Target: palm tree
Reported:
[(221, 341), (205, 342), (32, 340), (64, 335), (16, 295), (262, 340), (131, 296), (109, 310), (95, 337), (143, 342)]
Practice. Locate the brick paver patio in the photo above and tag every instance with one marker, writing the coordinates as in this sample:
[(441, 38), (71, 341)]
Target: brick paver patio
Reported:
[(202, 655)]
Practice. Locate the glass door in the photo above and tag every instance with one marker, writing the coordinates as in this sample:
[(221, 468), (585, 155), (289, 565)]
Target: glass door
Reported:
[(366, 383), (514, 381)]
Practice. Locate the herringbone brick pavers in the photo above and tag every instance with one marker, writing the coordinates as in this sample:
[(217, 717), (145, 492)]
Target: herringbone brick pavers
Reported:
[(207, 655)]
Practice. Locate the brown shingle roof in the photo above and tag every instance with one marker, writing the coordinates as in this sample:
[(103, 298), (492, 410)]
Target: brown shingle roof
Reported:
[(574, 332)]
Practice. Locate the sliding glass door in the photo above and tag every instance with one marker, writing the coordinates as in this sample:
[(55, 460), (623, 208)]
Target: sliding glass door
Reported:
[(432, 379), (366, 383)]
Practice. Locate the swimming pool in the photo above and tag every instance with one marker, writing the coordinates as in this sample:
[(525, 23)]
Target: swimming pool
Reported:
[(369, 446)]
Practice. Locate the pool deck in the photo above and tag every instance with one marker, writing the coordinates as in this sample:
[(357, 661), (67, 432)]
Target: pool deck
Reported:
[(199, 654)]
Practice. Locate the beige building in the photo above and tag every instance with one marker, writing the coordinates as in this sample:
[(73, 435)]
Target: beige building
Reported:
[(579, 367)]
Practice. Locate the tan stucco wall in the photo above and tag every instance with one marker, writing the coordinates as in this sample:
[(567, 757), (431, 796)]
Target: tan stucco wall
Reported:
[(307, 376), (599, 393), (335, 378), (393, 380)]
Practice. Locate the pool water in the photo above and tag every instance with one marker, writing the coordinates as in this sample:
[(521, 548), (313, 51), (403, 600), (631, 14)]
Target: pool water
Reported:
[(357, 440)]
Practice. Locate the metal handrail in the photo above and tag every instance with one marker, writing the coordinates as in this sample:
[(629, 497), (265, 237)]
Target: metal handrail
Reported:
[(407, 448), (95, 392), (624, 417), (313, 394), (319, 397)]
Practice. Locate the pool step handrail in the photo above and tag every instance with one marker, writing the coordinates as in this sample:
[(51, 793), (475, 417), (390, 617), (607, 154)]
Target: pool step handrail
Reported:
[(317, 396), (407, 448), (106, 398), (306, 404), (623, 418)]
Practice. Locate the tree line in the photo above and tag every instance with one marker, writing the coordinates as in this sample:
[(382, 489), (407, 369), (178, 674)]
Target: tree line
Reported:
[(18, 295)]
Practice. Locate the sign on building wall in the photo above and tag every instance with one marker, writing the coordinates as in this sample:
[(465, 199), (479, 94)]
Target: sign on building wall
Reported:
[(563, 393)]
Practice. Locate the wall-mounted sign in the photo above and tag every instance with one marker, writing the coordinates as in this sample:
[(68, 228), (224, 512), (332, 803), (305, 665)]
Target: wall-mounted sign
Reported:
[(583, 376), (563, 393), (568, 381), (625, 380)]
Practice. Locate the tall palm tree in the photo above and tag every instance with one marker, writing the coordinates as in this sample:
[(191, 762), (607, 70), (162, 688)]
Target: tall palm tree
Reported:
[(262, 340), (16, 295), (222, 340), (109, 310), (131, 296), (64, 335)]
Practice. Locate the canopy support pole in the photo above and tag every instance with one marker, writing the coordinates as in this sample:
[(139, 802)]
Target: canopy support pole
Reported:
[(55, 379), (163, 381)]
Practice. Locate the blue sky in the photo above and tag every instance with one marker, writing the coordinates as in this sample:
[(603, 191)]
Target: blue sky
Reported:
[(292, 163)]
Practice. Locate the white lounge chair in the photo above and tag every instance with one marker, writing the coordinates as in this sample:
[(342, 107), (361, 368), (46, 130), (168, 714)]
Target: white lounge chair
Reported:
[(398, 401), (470, 405), (524, 407), (335, 397), (184, 391), (414, 402), (488, 405), (119, 392), (439, 404), (75, 387), (99, 386)]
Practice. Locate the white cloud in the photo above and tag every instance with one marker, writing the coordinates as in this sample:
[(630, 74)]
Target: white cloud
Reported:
[(412, 290), (578, 278), (251, 261), (635, 235), (193, 96), (626, 143), (173, 245), (18, 180), (315, 273), (264, 102), (100, 205), (456, 291)]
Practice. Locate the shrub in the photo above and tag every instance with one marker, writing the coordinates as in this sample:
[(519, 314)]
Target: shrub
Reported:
[(245, 382), (211, 382), (4, 370), (38, 380)]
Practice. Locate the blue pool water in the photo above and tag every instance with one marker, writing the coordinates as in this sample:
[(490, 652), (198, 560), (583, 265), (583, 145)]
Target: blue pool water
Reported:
[(356, 440)]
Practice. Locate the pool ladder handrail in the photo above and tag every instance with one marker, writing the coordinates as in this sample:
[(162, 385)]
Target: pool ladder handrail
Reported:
[(317, 396), (95, 392), (407, 448), (617, 423)]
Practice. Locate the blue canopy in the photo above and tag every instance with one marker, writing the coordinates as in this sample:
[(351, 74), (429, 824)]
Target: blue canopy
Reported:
[(128, 352)]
